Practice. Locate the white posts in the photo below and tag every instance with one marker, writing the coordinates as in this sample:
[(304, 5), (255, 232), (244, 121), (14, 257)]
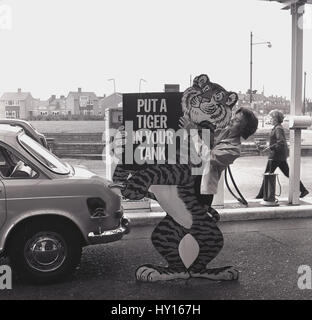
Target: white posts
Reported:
[(296, 103), (218, 199)]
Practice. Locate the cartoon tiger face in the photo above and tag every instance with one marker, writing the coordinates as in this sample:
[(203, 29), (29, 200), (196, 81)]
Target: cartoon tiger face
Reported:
[(208, 101)]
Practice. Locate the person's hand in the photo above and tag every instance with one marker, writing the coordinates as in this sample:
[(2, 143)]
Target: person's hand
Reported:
[(186, 123)]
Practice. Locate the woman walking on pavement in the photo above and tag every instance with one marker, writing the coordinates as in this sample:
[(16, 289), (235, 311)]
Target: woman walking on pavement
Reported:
[(279, 151)]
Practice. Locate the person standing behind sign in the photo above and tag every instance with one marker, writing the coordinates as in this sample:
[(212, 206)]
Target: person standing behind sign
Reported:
[(223, 152), (278, 151)]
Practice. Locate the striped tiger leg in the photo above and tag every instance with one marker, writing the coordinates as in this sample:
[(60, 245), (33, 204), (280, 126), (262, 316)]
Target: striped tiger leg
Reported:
[(137, 186), (166, 239), (208, 236), (210, 241), (204, 230), (120, 174), (228, 273)]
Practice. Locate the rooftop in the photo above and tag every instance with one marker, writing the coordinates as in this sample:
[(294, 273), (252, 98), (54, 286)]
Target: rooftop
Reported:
[(15, 95)]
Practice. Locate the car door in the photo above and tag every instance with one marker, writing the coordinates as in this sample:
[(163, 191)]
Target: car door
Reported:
[(18, 183), (2, 204), (3, 168)]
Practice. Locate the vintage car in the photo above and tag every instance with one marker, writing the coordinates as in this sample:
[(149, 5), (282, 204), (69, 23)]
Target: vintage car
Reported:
[(28, 128), (49, 210)]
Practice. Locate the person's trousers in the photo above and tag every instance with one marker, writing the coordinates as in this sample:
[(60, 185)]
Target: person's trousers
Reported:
[(204, 199), (271, 167)]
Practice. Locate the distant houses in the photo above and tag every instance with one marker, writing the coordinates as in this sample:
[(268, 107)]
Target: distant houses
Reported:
[(22, 105), (82, 102), (19, 105), (53, 106), (112, 101), (264, 104)]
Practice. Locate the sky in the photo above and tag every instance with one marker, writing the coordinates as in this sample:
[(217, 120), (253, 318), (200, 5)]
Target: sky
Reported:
[(56, 46)]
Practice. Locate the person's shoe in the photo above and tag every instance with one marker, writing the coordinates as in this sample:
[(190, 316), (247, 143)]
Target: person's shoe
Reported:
[(304, 193), (213, 214)]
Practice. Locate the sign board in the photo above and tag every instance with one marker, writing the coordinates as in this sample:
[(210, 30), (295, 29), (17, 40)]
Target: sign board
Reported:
[(152, 118), (155, 115)]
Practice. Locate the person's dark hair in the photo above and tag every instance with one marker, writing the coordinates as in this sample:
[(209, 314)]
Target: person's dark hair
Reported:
[(251, 123)]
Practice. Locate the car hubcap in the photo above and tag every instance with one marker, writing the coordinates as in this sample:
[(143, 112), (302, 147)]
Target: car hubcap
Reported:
[(45, 251)]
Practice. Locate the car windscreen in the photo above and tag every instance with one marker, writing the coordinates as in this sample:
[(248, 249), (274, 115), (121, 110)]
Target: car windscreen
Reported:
[(43, 155)]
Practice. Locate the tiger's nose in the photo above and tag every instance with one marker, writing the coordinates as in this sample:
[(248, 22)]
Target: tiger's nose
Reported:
[(208, 96)]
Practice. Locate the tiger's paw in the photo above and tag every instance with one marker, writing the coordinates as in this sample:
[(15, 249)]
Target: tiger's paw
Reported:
[(228, 273), (150, 273)]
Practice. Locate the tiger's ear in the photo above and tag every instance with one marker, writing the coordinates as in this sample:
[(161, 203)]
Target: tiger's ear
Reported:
[(201, 80), (231, 99)]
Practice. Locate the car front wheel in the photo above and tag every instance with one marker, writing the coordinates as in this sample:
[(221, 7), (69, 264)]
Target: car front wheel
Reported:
[(45, 252)]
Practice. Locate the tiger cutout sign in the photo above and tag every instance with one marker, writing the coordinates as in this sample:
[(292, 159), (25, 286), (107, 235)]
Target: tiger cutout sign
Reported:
[(188, 238)]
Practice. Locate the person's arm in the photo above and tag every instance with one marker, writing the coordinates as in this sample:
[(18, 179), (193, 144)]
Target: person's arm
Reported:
[(221, 156), (280, 139), (201, 148), (192, 130), (224, 154)]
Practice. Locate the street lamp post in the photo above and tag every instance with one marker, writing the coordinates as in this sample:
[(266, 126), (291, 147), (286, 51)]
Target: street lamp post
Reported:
[(140, 84), (269, 44)]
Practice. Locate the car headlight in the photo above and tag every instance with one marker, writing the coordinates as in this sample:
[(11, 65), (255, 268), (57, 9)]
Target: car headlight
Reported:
[(97, 207)]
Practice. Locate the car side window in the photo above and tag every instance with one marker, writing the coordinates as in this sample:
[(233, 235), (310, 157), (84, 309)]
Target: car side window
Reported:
[(13, 167), (2, 159)]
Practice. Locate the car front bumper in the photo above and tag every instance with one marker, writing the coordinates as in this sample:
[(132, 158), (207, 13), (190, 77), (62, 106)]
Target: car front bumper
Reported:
[(110, 235)]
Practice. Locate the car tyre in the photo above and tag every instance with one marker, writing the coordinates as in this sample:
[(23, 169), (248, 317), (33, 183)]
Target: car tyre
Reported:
[(44, 252)]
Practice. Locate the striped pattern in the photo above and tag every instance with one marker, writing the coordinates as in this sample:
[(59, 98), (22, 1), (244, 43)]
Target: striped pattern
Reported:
[(167, 235), (228, 273), (121, 175)]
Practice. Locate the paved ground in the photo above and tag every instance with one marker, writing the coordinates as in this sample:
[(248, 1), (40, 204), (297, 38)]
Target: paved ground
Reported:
[(267, 253), (247, 172)]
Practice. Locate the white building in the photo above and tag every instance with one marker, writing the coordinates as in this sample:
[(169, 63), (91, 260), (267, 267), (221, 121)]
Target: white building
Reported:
[(18, 105)]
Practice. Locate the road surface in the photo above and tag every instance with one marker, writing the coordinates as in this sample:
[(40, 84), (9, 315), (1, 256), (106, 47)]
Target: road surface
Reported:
[(267, 253)]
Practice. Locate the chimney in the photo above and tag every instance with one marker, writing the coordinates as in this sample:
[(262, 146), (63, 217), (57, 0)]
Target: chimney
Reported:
[(79, 90), (19, 90), (52, 98)]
